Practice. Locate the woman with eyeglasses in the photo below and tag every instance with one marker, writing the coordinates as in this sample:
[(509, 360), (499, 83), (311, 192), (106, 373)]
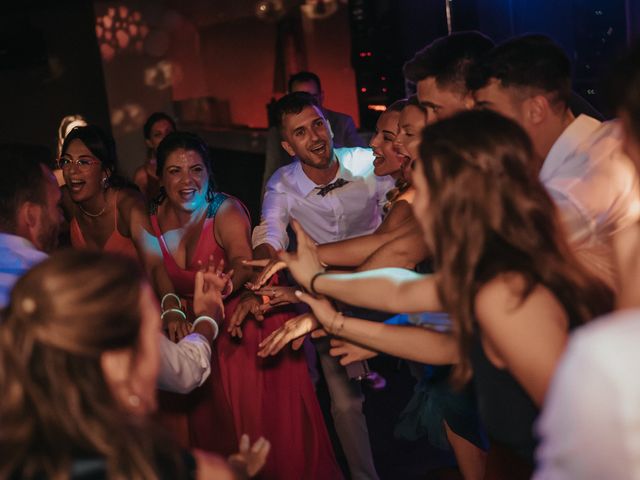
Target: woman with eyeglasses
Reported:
[(102, 210)]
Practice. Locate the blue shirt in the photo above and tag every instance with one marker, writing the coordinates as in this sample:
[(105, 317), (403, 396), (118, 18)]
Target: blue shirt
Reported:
[(17, 255)]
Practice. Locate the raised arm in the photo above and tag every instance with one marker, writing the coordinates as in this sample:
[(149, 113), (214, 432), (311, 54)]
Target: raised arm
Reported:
[(390, 289)]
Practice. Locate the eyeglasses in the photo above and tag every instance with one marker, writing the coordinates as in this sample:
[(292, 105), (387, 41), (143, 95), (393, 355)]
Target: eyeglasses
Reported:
[(83, 164)]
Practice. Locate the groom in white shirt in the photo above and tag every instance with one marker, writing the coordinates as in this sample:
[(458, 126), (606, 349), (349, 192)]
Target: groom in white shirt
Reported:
[(334, 195)]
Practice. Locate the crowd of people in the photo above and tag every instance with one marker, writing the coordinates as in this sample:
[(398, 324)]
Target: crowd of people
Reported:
[(489, 231)]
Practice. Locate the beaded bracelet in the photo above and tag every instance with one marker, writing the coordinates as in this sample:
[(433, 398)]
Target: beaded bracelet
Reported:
[(207, 318), (170, 295), (177, 310), (313, 281)]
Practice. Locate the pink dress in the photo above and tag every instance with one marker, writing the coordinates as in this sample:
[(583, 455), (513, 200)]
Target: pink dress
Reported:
[(271, 397)]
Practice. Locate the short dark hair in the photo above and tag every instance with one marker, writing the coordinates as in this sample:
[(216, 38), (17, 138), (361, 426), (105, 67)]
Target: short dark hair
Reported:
[(23, 181), (624, 88), (103, 147), (529, 61), (304, 77), (448, 59), (151, 121), (293, 103), (190, 142)]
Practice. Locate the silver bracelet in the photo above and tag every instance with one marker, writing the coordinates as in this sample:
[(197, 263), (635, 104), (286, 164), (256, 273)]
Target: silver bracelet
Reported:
[(177, 310), (166, 295), (207, 318)]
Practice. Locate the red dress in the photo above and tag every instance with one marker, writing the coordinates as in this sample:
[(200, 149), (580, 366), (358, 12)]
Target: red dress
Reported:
[(271, 397)]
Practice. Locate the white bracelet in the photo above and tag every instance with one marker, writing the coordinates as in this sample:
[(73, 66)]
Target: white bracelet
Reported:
[(177, 310), (206, 318), (170, 295)]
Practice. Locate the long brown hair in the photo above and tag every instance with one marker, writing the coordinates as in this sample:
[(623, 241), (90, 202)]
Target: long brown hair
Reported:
[(490, 214), (57, 406)]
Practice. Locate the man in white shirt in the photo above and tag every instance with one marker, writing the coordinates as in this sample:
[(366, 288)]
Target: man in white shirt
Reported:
[(589, 427), (30, 219), (334, 194), (579, 160)]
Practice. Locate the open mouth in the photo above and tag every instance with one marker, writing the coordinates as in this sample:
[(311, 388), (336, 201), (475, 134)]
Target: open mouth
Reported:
[(187, 194), (319, 149), (379, 160), (76, 185)]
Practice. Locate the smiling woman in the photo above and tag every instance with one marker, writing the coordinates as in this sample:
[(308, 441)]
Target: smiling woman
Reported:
[(196, 225), (103, 213)]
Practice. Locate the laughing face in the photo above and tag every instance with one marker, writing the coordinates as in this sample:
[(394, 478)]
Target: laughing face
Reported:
[(307, 136), (185, 179), (387, 160), (412, 120), (83, 172)]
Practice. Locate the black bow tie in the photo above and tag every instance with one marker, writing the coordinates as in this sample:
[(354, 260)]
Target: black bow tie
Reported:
[(322, 191)]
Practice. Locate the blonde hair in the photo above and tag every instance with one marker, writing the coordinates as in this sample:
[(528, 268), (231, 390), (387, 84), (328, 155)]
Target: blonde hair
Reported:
[(63, 314)]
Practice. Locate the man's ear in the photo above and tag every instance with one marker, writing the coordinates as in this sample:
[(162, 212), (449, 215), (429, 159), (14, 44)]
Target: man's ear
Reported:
[(536, 109), (287, 146), (29, 214)]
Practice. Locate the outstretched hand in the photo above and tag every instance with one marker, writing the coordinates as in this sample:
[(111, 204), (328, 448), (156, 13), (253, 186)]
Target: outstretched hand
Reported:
[(349, 352), (210, 282), (278, 296), (292, 330), (269, 268), (322, 309), (304, 263), (249, 305), (251, 458)]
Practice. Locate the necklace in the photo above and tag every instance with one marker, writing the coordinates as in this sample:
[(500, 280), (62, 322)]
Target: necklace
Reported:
[(92, 215)]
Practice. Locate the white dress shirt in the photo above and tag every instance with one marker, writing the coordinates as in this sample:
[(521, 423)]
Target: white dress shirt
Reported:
[(349, 211), (595, 186), (17, 255), (184, 365), (590, 424)]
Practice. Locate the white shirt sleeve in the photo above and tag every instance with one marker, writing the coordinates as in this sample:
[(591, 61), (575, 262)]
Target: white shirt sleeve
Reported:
[(184, 365), (275, 219), (581, 427)]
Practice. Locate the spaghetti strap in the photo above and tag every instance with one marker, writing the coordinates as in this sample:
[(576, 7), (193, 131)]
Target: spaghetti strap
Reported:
[(115, 212)]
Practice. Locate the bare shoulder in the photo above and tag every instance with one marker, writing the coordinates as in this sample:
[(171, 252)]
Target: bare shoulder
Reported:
[(232, 208), (212, 466), (502, 297)]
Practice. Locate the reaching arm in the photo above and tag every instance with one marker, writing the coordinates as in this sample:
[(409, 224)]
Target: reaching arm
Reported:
[(274, 219), (405, 250), (389, 290), (354, 251), (232, 232), (411, 343)]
